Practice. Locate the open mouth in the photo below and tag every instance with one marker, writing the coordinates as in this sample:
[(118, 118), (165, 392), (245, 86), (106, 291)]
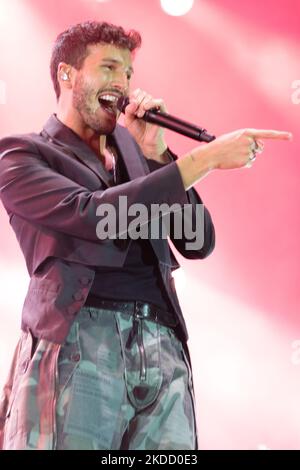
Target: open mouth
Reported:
[(109, 103)]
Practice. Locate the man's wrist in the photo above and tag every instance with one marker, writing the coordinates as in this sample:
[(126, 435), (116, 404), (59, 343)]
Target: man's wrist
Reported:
[(168, 156), (194, 166)]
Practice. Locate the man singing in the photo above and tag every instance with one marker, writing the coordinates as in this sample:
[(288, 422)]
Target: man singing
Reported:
[(102, 361)]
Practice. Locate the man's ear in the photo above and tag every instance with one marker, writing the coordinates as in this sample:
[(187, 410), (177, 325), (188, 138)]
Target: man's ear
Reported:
[(64, 72)]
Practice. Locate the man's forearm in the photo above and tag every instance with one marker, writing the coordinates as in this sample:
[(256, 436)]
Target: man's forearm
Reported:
[(230, 151), (193, 168)]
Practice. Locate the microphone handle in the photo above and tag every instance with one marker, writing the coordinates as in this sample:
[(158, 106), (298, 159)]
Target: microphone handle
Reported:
[(177, 125), (155, 116)]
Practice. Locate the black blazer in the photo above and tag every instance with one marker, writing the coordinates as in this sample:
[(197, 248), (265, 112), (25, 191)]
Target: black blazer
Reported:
[(51, 184)]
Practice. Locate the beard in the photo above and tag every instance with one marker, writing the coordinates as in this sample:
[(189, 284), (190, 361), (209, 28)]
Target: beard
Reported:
[(86, 104)]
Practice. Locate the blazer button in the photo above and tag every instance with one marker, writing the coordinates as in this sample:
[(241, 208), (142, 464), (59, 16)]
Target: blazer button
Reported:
[(85, 281), (78, 296), (75, 357), (72, 310)]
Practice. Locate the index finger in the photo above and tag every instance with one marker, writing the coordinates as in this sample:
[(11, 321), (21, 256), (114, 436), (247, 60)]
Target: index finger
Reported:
[(269, 134)]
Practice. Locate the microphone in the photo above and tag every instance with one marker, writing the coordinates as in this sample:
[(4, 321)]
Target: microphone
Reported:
[(155, 116)]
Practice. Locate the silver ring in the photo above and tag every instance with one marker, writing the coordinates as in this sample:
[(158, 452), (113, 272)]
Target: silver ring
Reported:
[(251, 159), (255, 147), (259, 149)]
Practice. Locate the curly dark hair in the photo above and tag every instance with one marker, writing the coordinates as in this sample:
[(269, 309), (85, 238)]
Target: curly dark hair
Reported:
[(70, 46)]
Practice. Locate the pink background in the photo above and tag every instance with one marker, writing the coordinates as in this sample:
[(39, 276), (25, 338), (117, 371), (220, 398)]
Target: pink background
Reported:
[(225, 65)]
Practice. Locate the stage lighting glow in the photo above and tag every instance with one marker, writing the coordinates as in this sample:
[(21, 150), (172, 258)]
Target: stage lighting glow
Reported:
[(262, 447), (176, 7)]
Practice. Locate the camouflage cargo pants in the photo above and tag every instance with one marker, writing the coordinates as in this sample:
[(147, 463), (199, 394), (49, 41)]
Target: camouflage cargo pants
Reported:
[(116, 383)]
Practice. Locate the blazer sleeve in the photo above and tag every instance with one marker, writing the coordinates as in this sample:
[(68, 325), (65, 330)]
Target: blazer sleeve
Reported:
[(31, 189), (204, 231)]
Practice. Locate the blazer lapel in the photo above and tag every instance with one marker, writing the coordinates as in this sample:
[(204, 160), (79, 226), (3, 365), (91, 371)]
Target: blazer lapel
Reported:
[(86, 156), (133, 158), (135, 162), (61, 135)]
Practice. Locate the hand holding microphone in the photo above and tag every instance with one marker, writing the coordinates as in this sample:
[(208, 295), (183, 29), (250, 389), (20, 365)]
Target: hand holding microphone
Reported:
[(163, 119), (233, 150)]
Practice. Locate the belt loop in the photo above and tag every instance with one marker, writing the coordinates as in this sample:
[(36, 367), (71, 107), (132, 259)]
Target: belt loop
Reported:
[(135, 309), (139, 309)]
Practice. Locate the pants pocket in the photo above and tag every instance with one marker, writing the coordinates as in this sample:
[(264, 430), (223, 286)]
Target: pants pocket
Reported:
[(27, 348), (26, 351)]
